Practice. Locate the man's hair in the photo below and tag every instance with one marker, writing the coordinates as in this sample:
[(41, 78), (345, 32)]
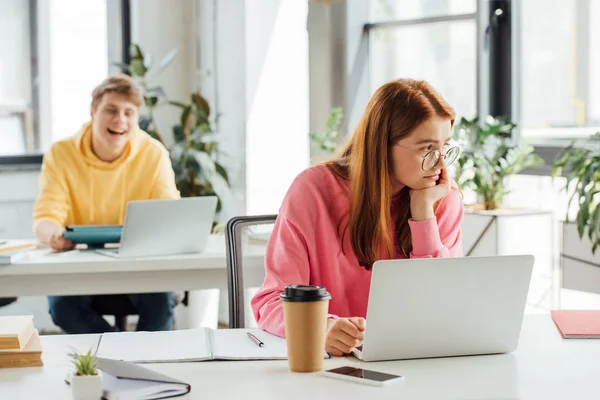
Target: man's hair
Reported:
[(118, 83)]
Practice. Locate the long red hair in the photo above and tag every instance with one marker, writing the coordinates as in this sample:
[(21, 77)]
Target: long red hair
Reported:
[(393, 112)]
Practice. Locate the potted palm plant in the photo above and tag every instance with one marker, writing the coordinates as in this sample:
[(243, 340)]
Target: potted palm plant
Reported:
[(195, 152), (85, 381), (580, 165)]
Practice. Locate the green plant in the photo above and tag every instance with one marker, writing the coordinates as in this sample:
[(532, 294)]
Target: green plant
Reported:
[(195, 150), (85, 364), (330, 138), (488, 157), (581, 167)]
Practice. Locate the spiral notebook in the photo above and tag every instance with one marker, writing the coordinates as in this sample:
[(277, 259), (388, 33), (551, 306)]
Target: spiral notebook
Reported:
[(577, 324), (201, 344)]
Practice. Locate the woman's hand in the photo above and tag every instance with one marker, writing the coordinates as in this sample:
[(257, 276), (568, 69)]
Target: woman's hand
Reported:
[(422, 200), (344, 334)]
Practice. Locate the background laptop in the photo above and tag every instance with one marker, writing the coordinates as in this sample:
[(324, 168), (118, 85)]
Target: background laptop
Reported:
[(165, 227), (440, 307)]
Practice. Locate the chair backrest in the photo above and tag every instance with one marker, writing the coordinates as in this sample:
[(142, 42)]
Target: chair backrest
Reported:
[(245, 240)]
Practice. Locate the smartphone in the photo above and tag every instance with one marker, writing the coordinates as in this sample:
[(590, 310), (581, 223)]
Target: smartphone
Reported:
[(364, 376)]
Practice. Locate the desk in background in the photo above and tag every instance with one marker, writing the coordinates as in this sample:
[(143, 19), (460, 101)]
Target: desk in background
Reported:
[(543, 367), (87, 272)]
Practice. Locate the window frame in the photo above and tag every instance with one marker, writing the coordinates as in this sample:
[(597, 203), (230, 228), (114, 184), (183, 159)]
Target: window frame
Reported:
[(548, 148), (39, 109)]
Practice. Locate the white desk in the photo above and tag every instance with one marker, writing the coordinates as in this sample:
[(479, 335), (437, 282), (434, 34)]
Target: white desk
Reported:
[(544, 367), (87, 272)]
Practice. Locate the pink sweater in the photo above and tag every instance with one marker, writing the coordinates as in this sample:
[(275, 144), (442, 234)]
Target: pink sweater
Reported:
[(305, 247)]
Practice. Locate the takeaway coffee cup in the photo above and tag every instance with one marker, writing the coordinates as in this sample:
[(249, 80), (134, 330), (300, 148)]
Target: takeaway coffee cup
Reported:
[(305, 317)]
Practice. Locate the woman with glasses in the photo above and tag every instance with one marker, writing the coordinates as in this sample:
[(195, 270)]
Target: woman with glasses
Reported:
[(387, 196)]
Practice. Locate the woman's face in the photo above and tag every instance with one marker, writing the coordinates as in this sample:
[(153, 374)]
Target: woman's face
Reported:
[(408, 155)]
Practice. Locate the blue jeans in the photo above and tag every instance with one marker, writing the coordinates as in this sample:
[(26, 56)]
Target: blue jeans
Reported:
[(74, 314)]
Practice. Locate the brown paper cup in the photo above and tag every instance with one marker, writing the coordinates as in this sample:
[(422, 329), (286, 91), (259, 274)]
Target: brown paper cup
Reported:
[(305, 330)]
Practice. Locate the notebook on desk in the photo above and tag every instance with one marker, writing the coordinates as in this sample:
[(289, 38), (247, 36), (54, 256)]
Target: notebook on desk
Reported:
[(201, 344), (124, 380), (577, 324)]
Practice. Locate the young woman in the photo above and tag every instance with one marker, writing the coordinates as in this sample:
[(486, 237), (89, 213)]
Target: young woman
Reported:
[(387, 197)]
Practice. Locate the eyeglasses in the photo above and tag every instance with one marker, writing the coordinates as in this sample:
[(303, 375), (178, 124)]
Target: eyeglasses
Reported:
[(431, 159)]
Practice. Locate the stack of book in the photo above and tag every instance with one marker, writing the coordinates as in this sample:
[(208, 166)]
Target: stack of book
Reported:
[(19, 342), (15, 250)]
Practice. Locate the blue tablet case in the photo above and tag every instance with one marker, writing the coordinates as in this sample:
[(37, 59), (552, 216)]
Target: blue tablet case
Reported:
[(94, 235)]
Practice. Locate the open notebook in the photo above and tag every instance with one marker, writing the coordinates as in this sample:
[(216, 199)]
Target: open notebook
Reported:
[(200, 344)]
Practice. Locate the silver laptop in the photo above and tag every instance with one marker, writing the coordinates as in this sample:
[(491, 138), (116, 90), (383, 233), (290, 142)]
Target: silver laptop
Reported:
[(440, 307), (165, 227)]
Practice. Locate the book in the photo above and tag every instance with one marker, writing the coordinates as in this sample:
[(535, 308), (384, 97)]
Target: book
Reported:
[(16, 245), (125, 380), (577, 324), (200, 344), (29, 356), (16, 250), (15, 331)]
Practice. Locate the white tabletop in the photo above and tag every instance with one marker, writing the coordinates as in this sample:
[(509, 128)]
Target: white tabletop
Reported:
[(545, 366), (88, 272)]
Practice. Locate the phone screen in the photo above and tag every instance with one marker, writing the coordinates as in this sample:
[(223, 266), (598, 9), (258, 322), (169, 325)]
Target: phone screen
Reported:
[(363, 374)]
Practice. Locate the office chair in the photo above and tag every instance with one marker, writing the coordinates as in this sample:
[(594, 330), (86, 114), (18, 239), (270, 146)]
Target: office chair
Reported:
[(4, 301), (245, 241), (119, 306)]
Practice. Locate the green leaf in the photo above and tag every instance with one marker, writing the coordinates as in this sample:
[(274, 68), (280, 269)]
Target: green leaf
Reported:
[(222, 171), (185, 116), (164, 63), (144, 122), (202, 104), (156, 91), (137, 67), (206, 163), (135, 51), (594, 225), (151, 101), (178, 134)]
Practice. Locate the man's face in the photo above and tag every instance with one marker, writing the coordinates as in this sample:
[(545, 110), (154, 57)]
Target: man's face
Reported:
[(113, 122)]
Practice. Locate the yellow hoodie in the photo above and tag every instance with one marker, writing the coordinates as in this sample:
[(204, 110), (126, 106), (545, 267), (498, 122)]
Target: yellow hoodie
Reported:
[(77, 188)]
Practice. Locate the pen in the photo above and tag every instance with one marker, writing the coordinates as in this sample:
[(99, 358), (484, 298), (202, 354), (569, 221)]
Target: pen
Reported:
[(255, 339)]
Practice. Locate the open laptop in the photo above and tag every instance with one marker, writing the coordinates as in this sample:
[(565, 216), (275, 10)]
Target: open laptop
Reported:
[(165, 227), (440, 307)]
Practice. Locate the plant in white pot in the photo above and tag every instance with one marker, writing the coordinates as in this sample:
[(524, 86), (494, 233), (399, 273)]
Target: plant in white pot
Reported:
[(488, 156), (86, 383)]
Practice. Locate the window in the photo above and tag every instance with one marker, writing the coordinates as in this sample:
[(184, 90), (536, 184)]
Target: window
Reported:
[(52, 55), (560, 68), (16, 131), (433, 40)]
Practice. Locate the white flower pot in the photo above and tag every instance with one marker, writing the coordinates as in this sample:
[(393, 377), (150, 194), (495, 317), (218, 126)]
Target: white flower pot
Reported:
[(87, 387)]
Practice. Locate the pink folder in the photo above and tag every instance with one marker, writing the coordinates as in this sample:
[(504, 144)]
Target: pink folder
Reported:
[(577, 324)]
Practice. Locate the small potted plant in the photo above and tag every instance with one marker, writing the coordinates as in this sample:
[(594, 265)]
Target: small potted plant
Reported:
[(86, 383)]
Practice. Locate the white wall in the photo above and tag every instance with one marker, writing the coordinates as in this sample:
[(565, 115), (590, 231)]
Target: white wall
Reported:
[(277, 147), (159, 26)]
